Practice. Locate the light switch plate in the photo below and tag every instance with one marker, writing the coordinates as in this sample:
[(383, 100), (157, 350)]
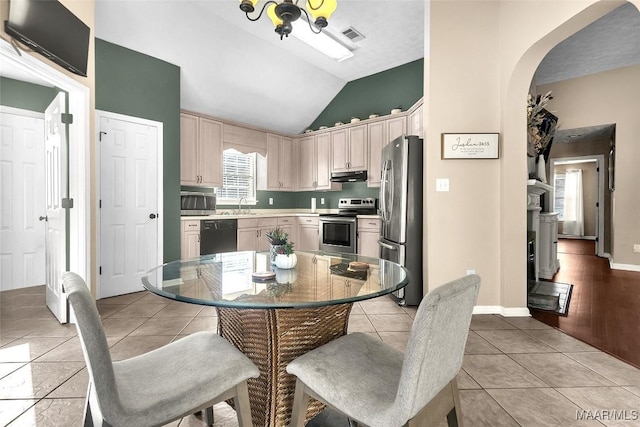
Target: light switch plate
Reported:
[(442, 184), (270, 200)]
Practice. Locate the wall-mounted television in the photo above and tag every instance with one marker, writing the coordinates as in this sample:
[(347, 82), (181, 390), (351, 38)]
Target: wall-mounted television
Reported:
[(51, 30)]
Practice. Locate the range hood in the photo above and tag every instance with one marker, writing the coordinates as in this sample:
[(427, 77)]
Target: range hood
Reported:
[(350, 176)]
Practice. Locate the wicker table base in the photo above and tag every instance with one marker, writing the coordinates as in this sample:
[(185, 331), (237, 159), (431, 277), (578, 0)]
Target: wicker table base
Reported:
[(273, 338)]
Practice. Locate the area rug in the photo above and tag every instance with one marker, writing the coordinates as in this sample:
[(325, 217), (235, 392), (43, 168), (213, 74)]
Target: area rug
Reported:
[(551, 297)]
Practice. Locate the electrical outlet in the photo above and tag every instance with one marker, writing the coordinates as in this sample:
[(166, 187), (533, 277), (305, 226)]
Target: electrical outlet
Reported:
[(636, 248), (442, 184), (322, 200), (270, 200), (471, 272)]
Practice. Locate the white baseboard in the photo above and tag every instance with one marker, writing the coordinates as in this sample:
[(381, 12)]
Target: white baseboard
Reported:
[(626, 267), (504, 311)]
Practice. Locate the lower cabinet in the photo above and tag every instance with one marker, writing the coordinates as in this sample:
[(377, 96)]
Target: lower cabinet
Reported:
[(252, 233), (548, 263), (368, 235), (190, 239), (307, 234)]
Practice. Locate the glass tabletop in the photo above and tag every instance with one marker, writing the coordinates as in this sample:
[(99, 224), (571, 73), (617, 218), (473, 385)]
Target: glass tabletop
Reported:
[(241, 280)]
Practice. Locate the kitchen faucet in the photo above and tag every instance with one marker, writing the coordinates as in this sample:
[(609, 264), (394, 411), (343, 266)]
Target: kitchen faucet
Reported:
[(240, 205)]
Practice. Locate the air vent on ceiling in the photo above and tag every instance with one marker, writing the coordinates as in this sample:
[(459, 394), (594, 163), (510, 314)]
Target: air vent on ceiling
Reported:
[(353, 35)]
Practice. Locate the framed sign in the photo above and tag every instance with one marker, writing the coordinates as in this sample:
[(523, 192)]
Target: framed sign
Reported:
[(470, 145)]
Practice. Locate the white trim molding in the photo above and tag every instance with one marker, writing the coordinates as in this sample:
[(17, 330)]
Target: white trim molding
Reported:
[(503, 311), (625, 267)]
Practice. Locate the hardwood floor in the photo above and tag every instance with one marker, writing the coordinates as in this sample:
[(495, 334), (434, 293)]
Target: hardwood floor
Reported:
[(604, 310)]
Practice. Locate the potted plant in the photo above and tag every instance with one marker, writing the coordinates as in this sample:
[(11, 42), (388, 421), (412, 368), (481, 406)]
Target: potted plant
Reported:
[(285, 257), (276, 237)]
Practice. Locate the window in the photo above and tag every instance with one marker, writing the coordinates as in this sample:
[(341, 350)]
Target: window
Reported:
[(558, 196), (238, 178)]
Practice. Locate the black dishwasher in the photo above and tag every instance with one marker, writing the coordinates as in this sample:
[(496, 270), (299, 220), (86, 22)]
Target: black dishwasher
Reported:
[(218, 235)]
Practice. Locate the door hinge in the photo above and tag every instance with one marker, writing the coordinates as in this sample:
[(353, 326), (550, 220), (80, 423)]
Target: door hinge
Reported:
[(100, 204), (67, 119), (67, 202), (100, 270), (597, 169), (597, 239), (597, 204)]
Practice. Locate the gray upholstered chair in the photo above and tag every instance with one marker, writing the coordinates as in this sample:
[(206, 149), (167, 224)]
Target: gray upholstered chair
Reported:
[(160, 386), (376, 385)]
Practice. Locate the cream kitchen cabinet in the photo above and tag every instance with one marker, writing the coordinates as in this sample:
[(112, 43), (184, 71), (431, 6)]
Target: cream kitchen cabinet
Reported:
[(289, 225), (416, 120), (190, 239), (278, 170), (308, 238), (368, 235), (252, 233), (200, 151), (380, 134), (396, 126), (349, 149), (314, 165)]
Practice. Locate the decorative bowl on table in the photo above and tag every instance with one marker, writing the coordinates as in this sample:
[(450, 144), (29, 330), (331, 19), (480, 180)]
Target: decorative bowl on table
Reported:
[(285, 261)]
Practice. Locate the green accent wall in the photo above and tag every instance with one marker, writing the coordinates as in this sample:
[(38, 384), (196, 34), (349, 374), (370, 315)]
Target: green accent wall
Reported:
[(301, 199), (134, 84), (27, 96), (378, 93)]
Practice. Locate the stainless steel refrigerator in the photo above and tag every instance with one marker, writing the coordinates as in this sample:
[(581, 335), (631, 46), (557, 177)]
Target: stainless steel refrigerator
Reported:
[(401, 210)]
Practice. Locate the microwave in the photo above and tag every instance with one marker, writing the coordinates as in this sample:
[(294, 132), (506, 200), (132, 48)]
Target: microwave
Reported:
[(195, 203)]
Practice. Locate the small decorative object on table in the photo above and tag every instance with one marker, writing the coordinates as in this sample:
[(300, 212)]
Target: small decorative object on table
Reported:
[(358, 266), (276, 237), (396, 110), (263, 276), (354, 119), (285, 257)]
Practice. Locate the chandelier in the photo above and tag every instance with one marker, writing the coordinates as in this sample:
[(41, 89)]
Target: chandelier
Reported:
[(283, 14)]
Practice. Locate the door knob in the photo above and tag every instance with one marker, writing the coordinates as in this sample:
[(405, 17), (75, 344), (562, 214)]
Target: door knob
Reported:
[(152, 216), (43, 218)]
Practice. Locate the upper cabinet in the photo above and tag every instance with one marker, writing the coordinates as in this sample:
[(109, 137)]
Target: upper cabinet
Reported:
[(200, 151), (278, 170), (349, 149), (416, 120), (314, 155), (380, 134)]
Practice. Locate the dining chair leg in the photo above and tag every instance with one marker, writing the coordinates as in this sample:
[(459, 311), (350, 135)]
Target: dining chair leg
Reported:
[(208, 415), (300, 402), (243, 407), (454, 417)]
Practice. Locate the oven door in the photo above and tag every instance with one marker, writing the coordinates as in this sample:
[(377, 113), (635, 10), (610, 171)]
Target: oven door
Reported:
[(338, 234)]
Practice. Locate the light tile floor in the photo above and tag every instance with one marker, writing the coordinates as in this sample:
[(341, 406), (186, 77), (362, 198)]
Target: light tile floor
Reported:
[(516, 371)]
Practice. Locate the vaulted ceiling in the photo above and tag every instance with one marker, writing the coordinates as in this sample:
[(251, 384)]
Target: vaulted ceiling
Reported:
[(240, 70)]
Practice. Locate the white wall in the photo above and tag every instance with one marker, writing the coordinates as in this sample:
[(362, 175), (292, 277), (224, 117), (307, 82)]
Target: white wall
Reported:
[(483, 56)]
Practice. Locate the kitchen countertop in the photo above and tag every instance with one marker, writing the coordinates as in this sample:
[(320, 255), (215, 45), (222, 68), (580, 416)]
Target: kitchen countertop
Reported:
[(268, 213)]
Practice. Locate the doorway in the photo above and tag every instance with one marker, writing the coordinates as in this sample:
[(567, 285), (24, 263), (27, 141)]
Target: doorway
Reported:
[(129, 201), (22, 235), (579, 198), (74, 233)]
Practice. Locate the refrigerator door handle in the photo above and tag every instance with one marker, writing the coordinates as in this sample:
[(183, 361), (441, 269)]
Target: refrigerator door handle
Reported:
[(387, 246), (383, 190)]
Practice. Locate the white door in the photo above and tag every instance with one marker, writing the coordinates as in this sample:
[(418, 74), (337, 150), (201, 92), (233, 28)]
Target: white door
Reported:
[(130, 226), (22, 197), (55, 218)]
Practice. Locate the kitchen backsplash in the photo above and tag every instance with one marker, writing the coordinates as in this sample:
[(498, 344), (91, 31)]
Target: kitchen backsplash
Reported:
[(301, 199)]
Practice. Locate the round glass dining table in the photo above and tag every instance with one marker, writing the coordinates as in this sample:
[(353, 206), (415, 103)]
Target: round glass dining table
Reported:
[(274, 315)]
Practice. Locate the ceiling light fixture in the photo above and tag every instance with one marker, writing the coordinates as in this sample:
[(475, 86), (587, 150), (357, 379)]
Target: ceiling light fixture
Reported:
[(321, 42), (285, 13)]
